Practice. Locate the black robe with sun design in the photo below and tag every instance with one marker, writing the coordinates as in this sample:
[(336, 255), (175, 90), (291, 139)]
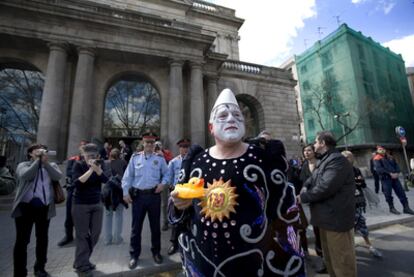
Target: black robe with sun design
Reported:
[(255, 236)]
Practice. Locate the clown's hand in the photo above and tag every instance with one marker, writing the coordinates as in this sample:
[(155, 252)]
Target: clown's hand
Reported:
[(180, 203)]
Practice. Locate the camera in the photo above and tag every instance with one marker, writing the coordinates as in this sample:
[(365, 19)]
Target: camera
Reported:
[(98, 162), (47, 152), (257, 141)]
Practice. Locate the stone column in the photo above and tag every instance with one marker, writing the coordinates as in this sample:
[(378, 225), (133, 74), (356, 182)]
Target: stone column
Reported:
[(81, 112), (52, 99), (212, 94), (175, 105), (197, 117)]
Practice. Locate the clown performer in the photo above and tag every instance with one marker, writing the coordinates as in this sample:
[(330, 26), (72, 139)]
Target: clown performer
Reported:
[(242, 226)]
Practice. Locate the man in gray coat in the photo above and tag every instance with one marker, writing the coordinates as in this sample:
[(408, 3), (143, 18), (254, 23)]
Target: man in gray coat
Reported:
[(330, 193), (34, 205)]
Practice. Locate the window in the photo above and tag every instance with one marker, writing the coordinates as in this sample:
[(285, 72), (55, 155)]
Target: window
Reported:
[(132, 107), (376, 58), (366, 74), (307, 103), (369, 90), (303, 69), (361, 52), (329, 75), (306, 85), (311, 124), (326, 59)]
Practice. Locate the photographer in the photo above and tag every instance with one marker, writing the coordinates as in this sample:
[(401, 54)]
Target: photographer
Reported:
[(34, 204), (87, 210)]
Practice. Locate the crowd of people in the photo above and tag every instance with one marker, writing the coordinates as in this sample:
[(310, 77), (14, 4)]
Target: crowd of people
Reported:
[(251, 222)]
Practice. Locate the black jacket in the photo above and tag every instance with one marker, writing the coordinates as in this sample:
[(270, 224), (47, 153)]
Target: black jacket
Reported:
[(330, 192), (112, 194)]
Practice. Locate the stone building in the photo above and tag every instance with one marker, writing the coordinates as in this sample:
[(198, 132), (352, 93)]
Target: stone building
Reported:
[(187, 51)]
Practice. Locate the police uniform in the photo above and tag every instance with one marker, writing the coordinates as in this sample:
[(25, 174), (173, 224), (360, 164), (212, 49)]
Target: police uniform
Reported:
[(174, 170), (143, 174)]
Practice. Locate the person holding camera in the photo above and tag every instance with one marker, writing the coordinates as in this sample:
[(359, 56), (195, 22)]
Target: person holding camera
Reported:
[(87, 210), (34, 205), (143, 181)]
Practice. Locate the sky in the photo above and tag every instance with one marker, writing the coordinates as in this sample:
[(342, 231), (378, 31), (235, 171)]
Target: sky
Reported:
[(275, 30)]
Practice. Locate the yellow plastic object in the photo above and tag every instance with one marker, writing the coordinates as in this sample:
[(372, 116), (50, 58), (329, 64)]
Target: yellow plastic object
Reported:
[(193, 189)]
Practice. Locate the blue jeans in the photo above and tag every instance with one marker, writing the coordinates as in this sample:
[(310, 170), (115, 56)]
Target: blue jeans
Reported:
[(114, 237)]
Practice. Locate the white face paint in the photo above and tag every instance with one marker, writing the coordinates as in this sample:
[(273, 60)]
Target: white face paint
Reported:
[(228, 123)]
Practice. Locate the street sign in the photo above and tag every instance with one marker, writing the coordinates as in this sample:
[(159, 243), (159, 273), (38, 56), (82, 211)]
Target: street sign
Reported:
[(400, 131)]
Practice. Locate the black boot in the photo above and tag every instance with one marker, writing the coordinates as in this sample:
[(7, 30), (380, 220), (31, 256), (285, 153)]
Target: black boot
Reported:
[(407, 209), (65, 240), (393, 210)]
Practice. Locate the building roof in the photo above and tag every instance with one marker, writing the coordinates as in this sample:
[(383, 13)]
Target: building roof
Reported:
[(342, 30)]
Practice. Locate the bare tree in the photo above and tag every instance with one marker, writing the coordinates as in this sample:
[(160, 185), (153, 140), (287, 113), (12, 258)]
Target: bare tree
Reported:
[(327, 103), (20, 98), (131, 107)]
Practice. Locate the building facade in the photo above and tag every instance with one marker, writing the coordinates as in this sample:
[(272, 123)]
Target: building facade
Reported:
[(180, 52), (410, 77), (355, 87)]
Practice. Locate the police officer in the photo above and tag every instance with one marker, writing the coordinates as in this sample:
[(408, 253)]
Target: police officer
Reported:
[(144, 179), (174, 168)]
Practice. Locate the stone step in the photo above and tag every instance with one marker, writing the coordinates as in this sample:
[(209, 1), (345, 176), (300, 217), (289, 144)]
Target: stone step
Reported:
[(6, 202), (6, 207), (8, 199)]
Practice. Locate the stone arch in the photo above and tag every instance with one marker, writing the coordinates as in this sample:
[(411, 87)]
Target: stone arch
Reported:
[(116, 77), (152, 95), (18, 63), (22, 86), (254, 115)]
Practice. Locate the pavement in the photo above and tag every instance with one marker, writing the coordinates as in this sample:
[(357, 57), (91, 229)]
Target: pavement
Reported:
[(395, 242), (112, 260)]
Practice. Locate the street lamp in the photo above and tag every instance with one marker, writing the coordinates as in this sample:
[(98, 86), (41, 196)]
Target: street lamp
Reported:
[(337, 117)]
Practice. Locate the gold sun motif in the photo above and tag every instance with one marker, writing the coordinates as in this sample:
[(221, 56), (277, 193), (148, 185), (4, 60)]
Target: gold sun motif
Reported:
[(220, 200)]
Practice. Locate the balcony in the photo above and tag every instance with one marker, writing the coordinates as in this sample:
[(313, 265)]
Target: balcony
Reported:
[(242, 67)]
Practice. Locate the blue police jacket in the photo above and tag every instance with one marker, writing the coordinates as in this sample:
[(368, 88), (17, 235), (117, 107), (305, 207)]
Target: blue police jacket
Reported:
[(174, 168), (145, 172)]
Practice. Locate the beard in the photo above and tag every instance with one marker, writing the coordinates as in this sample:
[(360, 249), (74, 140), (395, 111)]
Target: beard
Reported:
[(230, 135)]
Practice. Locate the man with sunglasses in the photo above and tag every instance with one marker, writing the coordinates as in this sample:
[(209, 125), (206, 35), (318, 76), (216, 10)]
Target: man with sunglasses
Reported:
[(143, 181)]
